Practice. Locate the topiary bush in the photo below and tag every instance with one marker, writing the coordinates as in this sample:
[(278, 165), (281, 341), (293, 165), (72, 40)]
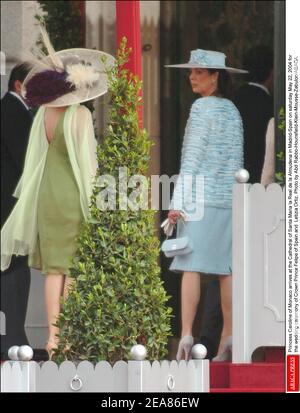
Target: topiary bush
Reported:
[(117, 298)]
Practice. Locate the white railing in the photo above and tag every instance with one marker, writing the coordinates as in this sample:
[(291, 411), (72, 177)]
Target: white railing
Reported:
[(258, 267), (132, 376), (258, 314)]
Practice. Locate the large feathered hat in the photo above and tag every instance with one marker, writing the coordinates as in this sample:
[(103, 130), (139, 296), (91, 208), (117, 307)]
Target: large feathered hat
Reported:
[(65, 77)]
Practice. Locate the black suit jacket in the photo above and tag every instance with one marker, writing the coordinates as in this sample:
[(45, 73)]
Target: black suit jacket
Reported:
[(16, 122), (256, 109)]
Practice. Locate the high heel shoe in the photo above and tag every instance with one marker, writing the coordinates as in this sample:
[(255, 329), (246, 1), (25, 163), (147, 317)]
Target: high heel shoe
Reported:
[(51, 346), (185, 346), (226, 351)]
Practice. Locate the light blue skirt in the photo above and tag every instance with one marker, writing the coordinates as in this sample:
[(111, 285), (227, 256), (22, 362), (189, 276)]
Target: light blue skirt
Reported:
[(212, 243)]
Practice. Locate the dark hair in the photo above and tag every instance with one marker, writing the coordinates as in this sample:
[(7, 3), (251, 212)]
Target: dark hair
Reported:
[(19, 72), (259, 61), (224, 83)]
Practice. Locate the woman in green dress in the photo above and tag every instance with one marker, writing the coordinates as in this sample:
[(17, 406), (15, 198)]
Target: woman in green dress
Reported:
[(60, 166), (58, 218)]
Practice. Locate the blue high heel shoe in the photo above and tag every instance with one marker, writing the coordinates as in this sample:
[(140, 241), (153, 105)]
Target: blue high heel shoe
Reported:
[(226, 353), (185, 346)]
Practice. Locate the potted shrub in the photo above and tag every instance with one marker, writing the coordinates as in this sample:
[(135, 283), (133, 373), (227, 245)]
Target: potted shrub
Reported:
[(117, 299)]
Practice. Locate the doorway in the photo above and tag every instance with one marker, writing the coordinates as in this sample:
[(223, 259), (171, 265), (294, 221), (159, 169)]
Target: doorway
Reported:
[(228, 26)]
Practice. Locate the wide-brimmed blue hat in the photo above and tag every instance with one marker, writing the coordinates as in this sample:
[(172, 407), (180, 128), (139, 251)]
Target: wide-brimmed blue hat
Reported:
[(207, 59)]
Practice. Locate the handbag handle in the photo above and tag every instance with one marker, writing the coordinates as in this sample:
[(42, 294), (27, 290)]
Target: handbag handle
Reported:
[(169, 228)]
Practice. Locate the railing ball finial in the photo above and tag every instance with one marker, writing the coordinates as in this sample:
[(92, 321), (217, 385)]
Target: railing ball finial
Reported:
[(138, 352), (199, 352), (242, 176), (25, 353), (13, 353)]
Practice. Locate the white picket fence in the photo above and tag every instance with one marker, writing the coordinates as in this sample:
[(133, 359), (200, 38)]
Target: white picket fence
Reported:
[(131, 376), (258, 268), (258, 313)]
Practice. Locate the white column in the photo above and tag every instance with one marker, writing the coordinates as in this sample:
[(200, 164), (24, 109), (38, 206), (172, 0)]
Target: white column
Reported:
[(150, 39), (100, 35), (18, 33)]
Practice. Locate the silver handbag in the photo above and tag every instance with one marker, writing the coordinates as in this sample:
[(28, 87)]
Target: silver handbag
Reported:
[(175, 246)]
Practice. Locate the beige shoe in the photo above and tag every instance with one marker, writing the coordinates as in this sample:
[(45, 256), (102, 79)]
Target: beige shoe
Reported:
[(226, 351), (185, 346)]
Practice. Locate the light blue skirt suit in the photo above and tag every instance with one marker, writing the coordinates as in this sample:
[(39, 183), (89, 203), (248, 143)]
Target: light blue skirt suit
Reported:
[(212, 150)]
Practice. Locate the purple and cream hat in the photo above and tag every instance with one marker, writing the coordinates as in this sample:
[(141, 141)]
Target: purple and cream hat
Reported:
[(207, 59), (65, 77)]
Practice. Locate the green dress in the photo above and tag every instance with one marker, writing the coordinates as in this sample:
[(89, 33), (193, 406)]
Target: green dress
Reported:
[(59, 215)]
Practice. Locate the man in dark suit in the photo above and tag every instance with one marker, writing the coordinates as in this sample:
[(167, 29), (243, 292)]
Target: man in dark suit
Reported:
[(255, 103), (16, 120)]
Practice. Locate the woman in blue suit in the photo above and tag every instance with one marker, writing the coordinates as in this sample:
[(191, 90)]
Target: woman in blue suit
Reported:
[(213, 152)]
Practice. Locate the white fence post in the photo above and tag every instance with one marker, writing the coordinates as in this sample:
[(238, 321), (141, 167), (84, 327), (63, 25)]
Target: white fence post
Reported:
[(258, 267), (19, 374), (202, 384), (135, 376), (202, 379), (239, 267), (28, 374), (135, 369)]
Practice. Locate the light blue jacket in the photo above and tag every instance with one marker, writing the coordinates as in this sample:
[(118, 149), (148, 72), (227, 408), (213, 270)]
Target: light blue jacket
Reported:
[(212, 147)]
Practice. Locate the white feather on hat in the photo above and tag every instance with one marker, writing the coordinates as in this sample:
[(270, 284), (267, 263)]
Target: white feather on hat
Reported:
[(85, 68), (51, 52), (81, 75)]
